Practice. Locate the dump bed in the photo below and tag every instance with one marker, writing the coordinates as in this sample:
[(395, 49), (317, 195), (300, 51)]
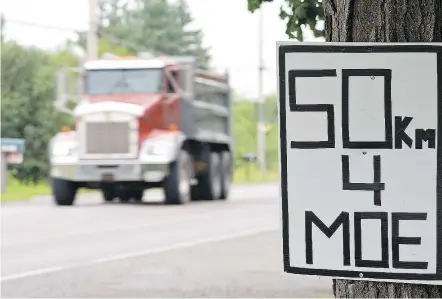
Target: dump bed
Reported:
[(206, 108)]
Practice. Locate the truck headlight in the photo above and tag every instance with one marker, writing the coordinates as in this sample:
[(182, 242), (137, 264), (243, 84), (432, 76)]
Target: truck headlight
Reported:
[(63, 149)]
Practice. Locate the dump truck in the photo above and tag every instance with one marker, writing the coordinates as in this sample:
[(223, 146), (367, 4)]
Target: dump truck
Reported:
[(144, 122)]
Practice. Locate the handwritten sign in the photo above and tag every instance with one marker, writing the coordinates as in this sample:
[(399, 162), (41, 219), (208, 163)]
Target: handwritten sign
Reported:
[(361, 160)]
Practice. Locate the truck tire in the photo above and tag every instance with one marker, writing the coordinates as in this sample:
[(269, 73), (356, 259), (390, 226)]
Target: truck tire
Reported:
[(63, 191), (209, 183), (124, 198), (177, 184), (126, 194), (226, 174), (108, 194), (123, 195), (137, 195)]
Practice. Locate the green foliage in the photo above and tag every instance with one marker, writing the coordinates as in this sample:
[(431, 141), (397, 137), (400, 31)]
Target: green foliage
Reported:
[(64, 58), (105, 46), (16, 190), (244, 131), (298, 14), (27, 95), (158, 26), (272, 139), (247, 174)]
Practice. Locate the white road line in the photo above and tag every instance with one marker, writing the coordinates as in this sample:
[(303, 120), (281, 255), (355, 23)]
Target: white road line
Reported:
[(182, 245), (137, 254), (31, 273), (195, 215)]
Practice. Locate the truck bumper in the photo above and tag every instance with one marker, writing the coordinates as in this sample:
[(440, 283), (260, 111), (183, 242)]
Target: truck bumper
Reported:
[(109, 171)]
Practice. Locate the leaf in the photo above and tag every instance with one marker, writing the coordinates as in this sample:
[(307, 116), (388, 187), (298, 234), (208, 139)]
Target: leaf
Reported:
[(296, 14)]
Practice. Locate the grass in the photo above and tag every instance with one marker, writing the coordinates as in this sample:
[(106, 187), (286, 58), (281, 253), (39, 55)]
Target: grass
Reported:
[(17, 191), (245, 175)]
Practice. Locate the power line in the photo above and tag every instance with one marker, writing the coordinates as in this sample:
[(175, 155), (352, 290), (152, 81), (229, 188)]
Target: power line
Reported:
[(39, 25), (109, 37)]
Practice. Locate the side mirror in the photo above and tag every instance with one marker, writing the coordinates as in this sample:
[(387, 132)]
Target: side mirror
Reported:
[(65, 95)]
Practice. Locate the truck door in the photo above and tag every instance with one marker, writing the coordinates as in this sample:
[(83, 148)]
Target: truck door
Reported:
[(171, 103)]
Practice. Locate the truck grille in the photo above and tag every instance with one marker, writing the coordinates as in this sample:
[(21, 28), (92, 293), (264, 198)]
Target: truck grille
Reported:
[(107, 138)]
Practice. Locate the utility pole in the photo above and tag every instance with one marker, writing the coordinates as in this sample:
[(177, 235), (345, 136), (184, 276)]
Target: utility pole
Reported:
[(261, 138), (92, 34), (2, 27)]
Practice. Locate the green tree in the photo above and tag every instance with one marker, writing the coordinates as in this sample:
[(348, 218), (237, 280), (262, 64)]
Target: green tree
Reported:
[(372, 21), (159, 26), (27, 95), (299, 15), (105, 46), (108, 44)]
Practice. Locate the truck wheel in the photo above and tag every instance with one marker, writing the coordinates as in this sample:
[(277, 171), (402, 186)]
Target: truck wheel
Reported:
[(64, 192), (177, 184), (209, 183), (124, 196), (137, 195), (108, 194), (226, 174)]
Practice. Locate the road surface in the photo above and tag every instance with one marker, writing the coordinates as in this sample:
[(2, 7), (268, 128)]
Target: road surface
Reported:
[(204, 249)]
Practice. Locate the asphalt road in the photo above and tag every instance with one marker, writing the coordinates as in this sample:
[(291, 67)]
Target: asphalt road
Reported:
[(204, 249)]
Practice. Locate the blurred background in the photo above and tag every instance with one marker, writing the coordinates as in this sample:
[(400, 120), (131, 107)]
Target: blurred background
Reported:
[(150, 250), (39, 37)]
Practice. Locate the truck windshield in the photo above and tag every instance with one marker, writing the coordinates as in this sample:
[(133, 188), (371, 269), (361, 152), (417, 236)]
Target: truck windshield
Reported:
[(119, 81)]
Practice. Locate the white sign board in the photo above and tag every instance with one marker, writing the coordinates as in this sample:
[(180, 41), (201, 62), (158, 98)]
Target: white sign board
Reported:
[(361, 160), (14, 158)]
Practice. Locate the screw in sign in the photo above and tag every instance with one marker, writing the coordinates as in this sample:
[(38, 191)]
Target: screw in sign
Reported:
[(361, 160)]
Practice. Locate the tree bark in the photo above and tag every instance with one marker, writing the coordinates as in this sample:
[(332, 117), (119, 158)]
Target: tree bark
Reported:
[(383, 21)]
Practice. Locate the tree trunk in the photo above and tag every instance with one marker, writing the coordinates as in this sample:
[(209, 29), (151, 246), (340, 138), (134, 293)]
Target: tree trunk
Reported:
[(383, 21)]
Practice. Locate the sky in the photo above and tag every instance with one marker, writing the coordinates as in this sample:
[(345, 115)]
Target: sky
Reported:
[(230, 31)]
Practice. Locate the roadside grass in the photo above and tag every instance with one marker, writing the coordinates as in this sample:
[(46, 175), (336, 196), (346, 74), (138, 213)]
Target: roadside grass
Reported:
[(253, 175), (17, 191)]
